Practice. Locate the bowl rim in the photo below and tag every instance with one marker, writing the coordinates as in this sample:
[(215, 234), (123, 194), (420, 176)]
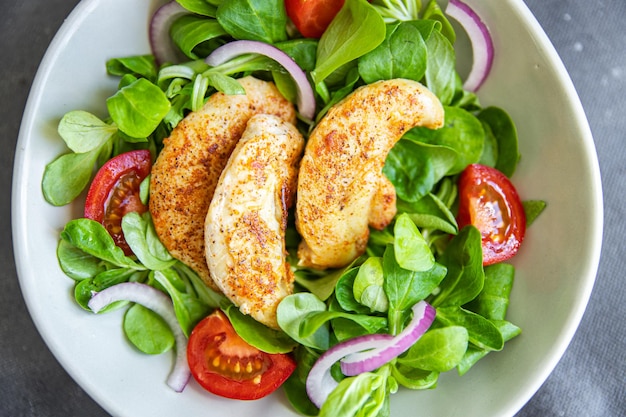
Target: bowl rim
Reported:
[(19, 193)]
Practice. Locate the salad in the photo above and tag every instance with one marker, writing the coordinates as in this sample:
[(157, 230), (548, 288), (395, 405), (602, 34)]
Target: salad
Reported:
[(430, 293)]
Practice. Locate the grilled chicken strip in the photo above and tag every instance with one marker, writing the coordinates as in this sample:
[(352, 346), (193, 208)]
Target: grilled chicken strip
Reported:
[(341, 187), (247, 218), (187, 170)]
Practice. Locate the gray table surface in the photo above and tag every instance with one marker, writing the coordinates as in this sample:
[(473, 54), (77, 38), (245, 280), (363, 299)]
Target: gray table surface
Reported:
[(590, 379)]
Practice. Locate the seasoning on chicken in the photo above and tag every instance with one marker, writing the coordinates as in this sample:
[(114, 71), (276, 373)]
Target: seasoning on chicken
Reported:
[(187, 170), (247, 218), (341, 188)]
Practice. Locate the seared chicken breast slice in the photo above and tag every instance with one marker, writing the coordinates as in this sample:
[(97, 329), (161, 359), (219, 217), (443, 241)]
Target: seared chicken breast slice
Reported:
[(246, 221), (341, 188), (188, 168)]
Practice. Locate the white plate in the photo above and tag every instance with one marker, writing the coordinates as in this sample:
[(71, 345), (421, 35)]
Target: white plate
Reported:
[(556, 266)]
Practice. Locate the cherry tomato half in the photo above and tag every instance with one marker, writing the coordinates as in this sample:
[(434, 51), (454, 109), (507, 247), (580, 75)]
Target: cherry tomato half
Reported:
[(224, 364), (312, 17), (114, 192), (489, 201)]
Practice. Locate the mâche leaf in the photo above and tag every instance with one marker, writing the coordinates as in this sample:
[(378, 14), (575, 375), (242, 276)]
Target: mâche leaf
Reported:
[(464, 262), (438, 350), (260, 20), (84, 132), (147, 330), (401, 55), (138, 108), (356, 30), (67, 176)]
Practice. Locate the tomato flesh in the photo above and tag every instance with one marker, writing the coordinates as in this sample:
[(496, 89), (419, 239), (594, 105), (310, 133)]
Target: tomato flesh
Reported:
[(114, 192), (312, 17), (489, 201), (225, 365)]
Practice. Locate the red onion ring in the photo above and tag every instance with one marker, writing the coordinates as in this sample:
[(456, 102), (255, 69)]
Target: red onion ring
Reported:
[(367, 361), (482, 44), (161, 44), (365, 353), (306, 97), (161, 304), (319, 382)]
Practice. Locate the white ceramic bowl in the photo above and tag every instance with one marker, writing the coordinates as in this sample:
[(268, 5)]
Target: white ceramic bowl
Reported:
[(556, 267)]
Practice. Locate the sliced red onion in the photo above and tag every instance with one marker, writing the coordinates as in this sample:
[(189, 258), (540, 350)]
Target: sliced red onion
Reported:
[(367, 361), (482, 44), (161, 44), (161, 304), (319, 382), (306, 97), (365, 353)]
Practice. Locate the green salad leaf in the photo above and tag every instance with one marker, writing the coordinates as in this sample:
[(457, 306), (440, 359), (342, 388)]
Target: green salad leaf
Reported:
[(260, 20), (402, 54), (356, 30), (420, 255), (147, 330), (138, 108), (190, 32)]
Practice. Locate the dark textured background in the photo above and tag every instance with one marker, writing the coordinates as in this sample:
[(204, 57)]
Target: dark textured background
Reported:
[(589, 381)]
